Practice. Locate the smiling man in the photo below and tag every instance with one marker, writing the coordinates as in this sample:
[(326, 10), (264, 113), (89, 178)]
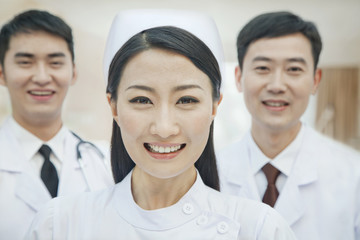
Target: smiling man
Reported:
[(38, 153), (311, 180)]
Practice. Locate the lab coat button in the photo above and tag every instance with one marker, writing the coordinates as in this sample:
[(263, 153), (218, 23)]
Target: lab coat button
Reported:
[(202, 220), (188, 208), (222, 227)]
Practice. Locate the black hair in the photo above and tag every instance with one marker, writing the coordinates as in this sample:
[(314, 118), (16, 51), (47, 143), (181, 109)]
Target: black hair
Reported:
[(277, 24), (182, 42), (31, 21)]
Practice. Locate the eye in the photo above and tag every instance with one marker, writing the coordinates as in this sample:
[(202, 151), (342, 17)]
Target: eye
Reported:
[(262, 69), (187, 100), (140, 100), (56, 63), (24, 63), (295, 69)]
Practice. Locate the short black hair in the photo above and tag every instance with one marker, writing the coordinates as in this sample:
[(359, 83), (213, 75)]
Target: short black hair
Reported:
[(277, 24), (35, 20)]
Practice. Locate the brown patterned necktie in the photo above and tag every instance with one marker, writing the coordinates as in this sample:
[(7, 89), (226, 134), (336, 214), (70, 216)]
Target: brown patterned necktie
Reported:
[(271, 193)]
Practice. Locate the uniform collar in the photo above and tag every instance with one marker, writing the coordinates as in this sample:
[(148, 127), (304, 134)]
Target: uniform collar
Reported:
[(30, 144), (186, 209), (284, 161)]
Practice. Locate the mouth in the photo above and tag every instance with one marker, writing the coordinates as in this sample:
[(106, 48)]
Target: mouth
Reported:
[(164, 149), (275, 103), (41, 93)]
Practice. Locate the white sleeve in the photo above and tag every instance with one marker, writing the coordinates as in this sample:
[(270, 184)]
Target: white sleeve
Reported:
[(42, 225), (357, 214), (275, 227)]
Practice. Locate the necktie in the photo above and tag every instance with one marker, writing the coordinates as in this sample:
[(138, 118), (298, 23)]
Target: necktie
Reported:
[(48, 171), (271, 193)]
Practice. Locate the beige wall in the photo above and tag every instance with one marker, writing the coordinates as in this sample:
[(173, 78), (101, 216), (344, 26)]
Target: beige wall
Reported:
[(86, 110)]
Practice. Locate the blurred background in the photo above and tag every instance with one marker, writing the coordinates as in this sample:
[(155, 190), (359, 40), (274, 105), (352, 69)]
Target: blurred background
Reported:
[(334, 111)]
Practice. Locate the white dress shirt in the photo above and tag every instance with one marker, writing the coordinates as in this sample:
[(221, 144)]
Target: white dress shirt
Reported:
[(31, 145), (283, 162)]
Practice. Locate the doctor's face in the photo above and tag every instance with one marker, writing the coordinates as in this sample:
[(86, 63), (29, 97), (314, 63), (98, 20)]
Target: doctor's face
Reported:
[(277, 80), (37, 71), (164, 110)]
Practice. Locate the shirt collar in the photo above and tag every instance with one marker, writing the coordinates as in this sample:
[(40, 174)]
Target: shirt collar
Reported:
[(31, 144), (284, 161), (186, 209)]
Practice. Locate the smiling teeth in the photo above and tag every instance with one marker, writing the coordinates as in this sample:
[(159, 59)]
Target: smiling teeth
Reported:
[(160, 149), (41, 93), (275, 104)]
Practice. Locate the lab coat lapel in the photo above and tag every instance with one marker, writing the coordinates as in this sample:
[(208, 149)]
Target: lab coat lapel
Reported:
[(240, 174), (71, 180), (290, 203), (31, 190), (28, 187)]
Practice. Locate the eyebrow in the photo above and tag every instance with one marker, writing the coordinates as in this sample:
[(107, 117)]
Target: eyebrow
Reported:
[(298, 59), (23, 54), (141, 87), (175, 89), (185, 87), (266, 59), (30, 55), (261, 58)]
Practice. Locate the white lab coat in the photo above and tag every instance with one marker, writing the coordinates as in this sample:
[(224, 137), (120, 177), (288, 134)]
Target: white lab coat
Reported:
[(22, 193), (202, 213), (321, 196)]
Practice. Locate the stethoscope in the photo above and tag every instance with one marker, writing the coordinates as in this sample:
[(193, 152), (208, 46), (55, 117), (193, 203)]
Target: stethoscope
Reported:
[(81, 160)]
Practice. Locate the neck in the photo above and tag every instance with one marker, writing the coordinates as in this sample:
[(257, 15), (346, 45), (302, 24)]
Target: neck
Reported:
[(272, 143), (152, 193), (44, 130)]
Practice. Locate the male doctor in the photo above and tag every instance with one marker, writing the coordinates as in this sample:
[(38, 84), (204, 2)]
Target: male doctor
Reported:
[(38, 153), (311, 180)]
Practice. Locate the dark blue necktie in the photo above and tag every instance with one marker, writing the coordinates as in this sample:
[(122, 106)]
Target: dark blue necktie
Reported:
[(48, 171)]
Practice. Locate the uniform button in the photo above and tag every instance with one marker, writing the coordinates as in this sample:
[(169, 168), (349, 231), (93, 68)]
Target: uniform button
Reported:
[(188, 208), (222, 227), (202, 220)]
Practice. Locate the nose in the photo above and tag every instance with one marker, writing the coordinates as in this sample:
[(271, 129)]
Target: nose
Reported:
[(41, 74), (277, 83), (164, 123)]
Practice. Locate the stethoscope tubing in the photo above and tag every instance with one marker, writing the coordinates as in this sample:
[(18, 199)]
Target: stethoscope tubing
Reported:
[(80, 159)]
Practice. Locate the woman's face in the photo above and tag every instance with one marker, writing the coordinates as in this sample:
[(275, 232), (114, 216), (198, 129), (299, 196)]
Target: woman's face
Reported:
[(164, 110)]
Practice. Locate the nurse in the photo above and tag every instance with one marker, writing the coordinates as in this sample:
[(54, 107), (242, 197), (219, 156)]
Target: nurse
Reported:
[(38, 153), (164, 91)]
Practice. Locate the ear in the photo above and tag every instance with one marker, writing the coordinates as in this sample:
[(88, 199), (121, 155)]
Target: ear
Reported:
[(238, 78), (2, 76), (112, 107), (317, 79), (75, 75), (215, 106)]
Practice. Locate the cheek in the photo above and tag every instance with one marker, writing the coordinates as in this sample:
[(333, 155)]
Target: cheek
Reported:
[(65, 79), (198, 124), (130, 124), (302, 88)]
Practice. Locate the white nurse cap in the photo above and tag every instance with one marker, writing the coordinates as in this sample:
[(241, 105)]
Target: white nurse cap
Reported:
[(130, 22)]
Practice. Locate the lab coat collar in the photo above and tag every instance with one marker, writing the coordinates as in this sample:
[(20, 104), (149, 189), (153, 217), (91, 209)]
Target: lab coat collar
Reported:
[(284, 161), (186, 209), (29, 187), (35, 197), (10, 147), (290, 203), (239, 173), (30, 144)]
